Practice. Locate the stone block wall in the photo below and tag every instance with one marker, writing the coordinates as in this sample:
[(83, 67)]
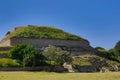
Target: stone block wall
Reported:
[(74, 46), (4, 48), (87, 69), (45, 42), (3, 56), (3, 52), (39, 68)]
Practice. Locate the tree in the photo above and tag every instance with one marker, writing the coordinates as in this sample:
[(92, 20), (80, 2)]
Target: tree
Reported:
[(114, 53), (117, 48), (57, 55), (26, 54), (62, 57)]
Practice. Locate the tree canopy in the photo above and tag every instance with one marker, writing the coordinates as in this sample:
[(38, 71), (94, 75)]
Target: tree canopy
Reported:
[(26, 54), (57, 55), (117, 48)]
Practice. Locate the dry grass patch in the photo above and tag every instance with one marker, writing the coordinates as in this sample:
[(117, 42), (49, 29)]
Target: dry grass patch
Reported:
[(58, 76)]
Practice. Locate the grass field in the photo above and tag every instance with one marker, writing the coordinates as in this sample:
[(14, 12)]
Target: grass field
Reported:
[(58, 76)]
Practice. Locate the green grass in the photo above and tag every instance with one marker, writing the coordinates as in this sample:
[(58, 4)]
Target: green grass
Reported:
[(58, 76), (41, 32), (4, 52)]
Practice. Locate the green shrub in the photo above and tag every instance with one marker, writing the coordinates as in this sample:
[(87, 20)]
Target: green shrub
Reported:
[(56, 55), (6, 62), (26, 54)]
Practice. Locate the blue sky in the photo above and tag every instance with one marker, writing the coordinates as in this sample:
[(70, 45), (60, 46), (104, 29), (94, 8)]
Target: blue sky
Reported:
[(95, 20)]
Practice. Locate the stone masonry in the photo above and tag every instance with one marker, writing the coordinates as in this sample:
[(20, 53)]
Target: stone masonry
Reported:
[(74, 46)]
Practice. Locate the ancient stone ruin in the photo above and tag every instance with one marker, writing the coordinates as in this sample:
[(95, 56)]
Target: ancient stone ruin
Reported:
[(74, 46)]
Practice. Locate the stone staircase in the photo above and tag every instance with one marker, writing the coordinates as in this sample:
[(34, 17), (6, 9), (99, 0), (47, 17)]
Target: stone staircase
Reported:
[(4, 51)]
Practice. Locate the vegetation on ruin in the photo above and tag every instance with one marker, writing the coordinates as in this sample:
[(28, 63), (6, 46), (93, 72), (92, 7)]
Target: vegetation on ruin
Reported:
[(81, 62), (27, 56), (7, 62), (94, 60), (4, 52), (41, 32), (57, 55)]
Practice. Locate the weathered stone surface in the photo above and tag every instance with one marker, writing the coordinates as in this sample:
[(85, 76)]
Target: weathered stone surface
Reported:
[(5, 43), (76, 47), (3, 56), (87, 69)]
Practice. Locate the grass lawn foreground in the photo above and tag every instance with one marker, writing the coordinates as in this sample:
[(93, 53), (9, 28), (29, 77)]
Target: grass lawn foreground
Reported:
[(58, 76)]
